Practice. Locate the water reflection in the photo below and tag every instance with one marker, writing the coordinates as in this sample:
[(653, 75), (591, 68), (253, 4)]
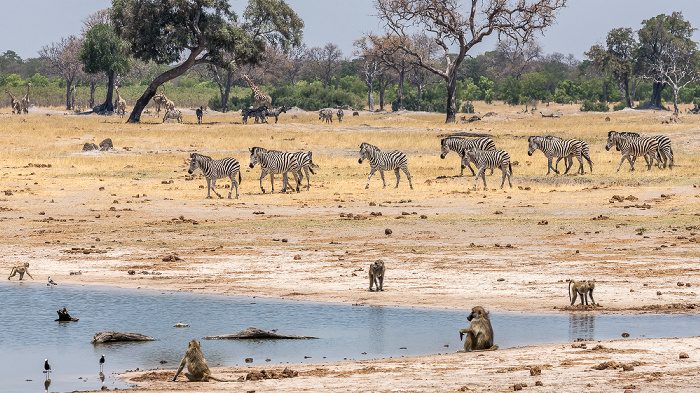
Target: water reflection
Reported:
[(581, 327)]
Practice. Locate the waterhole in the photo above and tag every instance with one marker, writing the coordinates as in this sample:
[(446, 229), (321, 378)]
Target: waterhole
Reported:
[(29, 334)]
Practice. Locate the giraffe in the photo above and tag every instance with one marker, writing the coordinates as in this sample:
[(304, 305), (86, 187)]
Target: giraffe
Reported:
[(15, 104), (259, 96), (25, 100), (121, 103), (161, 100)]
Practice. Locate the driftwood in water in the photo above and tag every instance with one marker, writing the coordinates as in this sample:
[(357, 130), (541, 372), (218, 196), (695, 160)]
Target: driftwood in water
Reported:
[(253, 333), (110, 336), (64, 316), (465, 133)]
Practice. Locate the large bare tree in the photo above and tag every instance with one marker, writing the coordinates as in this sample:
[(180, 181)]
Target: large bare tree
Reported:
[(63, 59), (454, 26)]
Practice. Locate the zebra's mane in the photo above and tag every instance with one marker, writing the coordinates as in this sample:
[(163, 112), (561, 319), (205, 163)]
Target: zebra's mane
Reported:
[(443, 141), (257, 149), (195, 155), (368, 146)]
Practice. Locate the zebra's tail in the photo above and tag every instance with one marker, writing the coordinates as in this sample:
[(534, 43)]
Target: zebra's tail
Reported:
[(239, 177), (311, 169), (510, 169)]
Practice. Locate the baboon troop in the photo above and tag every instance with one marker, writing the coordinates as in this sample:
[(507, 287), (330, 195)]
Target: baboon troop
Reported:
[(583, 289), (20, 270), (197, 369), (376, 275), (479, 333)]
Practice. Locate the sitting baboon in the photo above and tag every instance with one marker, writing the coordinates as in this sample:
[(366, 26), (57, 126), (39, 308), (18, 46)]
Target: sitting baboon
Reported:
[(376, 275), (200, 113), (197, 369), (479, 333), (583, 289), (21, 270)]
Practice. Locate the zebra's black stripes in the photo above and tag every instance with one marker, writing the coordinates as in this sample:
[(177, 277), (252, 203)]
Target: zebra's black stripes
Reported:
[(461, 145), (634, 147), (491, 159), (275, 162), (306, 163), (384, 161), (216, 169), (556, 148), (585, 153)]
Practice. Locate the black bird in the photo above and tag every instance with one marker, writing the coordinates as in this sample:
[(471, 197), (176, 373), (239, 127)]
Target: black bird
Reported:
[(102, 362), (47, 367)]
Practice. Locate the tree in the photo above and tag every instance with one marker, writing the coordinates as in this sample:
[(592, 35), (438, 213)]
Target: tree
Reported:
[(656, 37), (386, 50), (62, 59), (324, 62), (617, 58), (678, 66), (201, 32), (514, 57), (516, 19), (104, 51), (371, 68)]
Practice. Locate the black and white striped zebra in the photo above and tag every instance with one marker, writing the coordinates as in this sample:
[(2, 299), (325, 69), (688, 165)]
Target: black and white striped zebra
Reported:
[(491, 159), (556, 148), (275, 162), (461, 145), (384, 161), (306, 163), (634, 147), (277, 111), (216, 169), (665, 149), (326, 114), (585, 153)]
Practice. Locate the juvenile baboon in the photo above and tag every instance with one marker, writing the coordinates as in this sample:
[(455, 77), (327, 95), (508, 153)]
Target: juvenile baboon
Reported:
[(479, 333), (583, 289), (376, 275), (20, 270), (197, 369)]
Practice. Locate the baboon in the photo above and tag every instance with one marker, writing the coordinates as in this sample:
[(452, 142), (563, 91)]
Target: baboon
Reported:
[(197, 369), (376, 275), (479, 333), (582, 288), (21, 270), (200, 113)]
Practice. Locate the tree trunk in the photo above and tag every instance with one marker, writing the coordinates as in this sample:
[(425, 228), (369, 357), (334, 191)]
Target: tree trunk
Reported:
[(675, 99), (93, 85), (227, 91), (370, 96), (151, 90), (68, 89), (399, 93), (655, 100), (420, 95), (627, 93), (451, 95), (108, 105)]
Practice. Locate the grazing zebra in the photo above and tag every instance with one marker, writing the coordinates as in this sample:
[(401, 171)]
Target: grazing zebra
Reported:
[(585, 153), (305, 162), (634, 147), (340, 115), (461, 145), (379, 160), (326, 114), (491, 159), (277, 111), (275, 162), (216, 169), (556, 148), (259, 113), (173, 114)]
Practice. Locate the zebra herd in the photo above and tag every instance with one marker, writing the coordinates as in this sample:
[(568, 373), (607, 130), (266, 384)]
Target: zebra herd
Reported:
[(479, 151)]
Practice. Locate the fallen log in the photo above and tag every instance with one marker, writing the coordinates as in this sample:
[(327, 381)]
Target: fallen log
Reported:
[(110, 336), (465, 133), (253, 333), (64, 316)]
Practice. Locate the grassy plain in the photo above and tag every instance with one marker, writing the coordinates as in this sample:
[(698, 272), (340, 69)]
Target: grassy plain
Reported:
[(105, 213)]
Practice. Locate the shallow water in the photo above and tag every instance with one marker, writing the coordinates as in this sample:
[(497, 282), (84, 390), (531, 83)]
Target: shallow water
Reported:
[(29, 334)]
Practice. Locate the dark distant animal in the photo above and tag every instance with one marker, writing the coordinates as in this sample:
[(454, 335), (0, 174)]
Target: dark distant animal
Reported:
[(340, 115), (479, 333), (200, 112), (277, 111), (376, 275)]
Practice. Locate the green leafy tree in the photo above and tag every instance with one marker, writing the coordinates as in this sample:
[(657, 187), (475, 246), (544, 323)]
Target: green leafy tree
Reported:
[(201, 32), (104, 51), (617, 58)]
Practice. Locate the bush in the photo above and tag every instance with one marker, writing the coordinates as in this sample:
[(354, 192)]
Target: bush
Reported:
[(620, 106), (590, 106)]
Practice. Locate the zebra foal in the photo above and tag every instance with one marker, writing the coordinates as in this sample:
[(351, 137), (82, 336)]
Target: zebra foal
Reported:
[(632, 147), (461, 145), (275, 162), (489, 160), (556, 148), (384, 161), (585, 153), (306, 163), (216, 169)]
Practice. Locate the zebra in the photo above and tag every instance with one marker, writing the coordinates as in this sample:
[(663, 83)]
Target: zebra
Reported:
[(665, 150), (326, 114), (277, 111), (173, 113), (585, 153), (340, 115), (275, 162), (491, 159), (556, 148), (216, 169), (379, 160), (461, 145), (633, 147), (200, 113), (305, 162)]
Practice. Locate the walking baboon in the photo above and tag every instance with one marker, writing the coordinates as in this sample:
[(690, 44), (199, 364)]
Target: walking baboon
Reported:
[(376, 275), (20, 270), (197, 369), (479, 333), (200, 113), (583, 289)]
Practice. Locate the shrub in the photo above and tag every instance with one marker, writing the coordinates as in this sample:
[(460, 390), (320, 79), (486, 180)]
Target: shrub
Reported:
[(620, 106), (590, 106)]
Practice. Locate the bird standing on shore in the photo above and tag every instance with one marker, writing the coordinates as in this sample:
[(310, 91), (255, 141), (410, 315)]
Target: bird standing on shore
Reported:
[(47, 368), (51, 282), (102, 362)]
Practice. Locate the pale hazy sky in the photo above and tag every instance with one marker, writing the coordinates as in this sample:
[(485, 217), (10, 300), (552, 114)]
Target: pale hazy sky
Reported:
[(580, 25)]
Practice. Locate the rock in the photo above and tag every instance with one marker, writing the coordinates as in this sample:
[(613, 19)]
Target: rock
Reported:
[(114, 336), (543, 222), (517, 386), (535, 370), (106, 145), (538, 383), (388, 231), (249, 360), (658, 293), (131, 272), (627, 367), (181, 325), (255, 334), (625, 335), (683, 355), (90, 147), (423, 216), (297, 257), (680, 284), (687, 284)]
